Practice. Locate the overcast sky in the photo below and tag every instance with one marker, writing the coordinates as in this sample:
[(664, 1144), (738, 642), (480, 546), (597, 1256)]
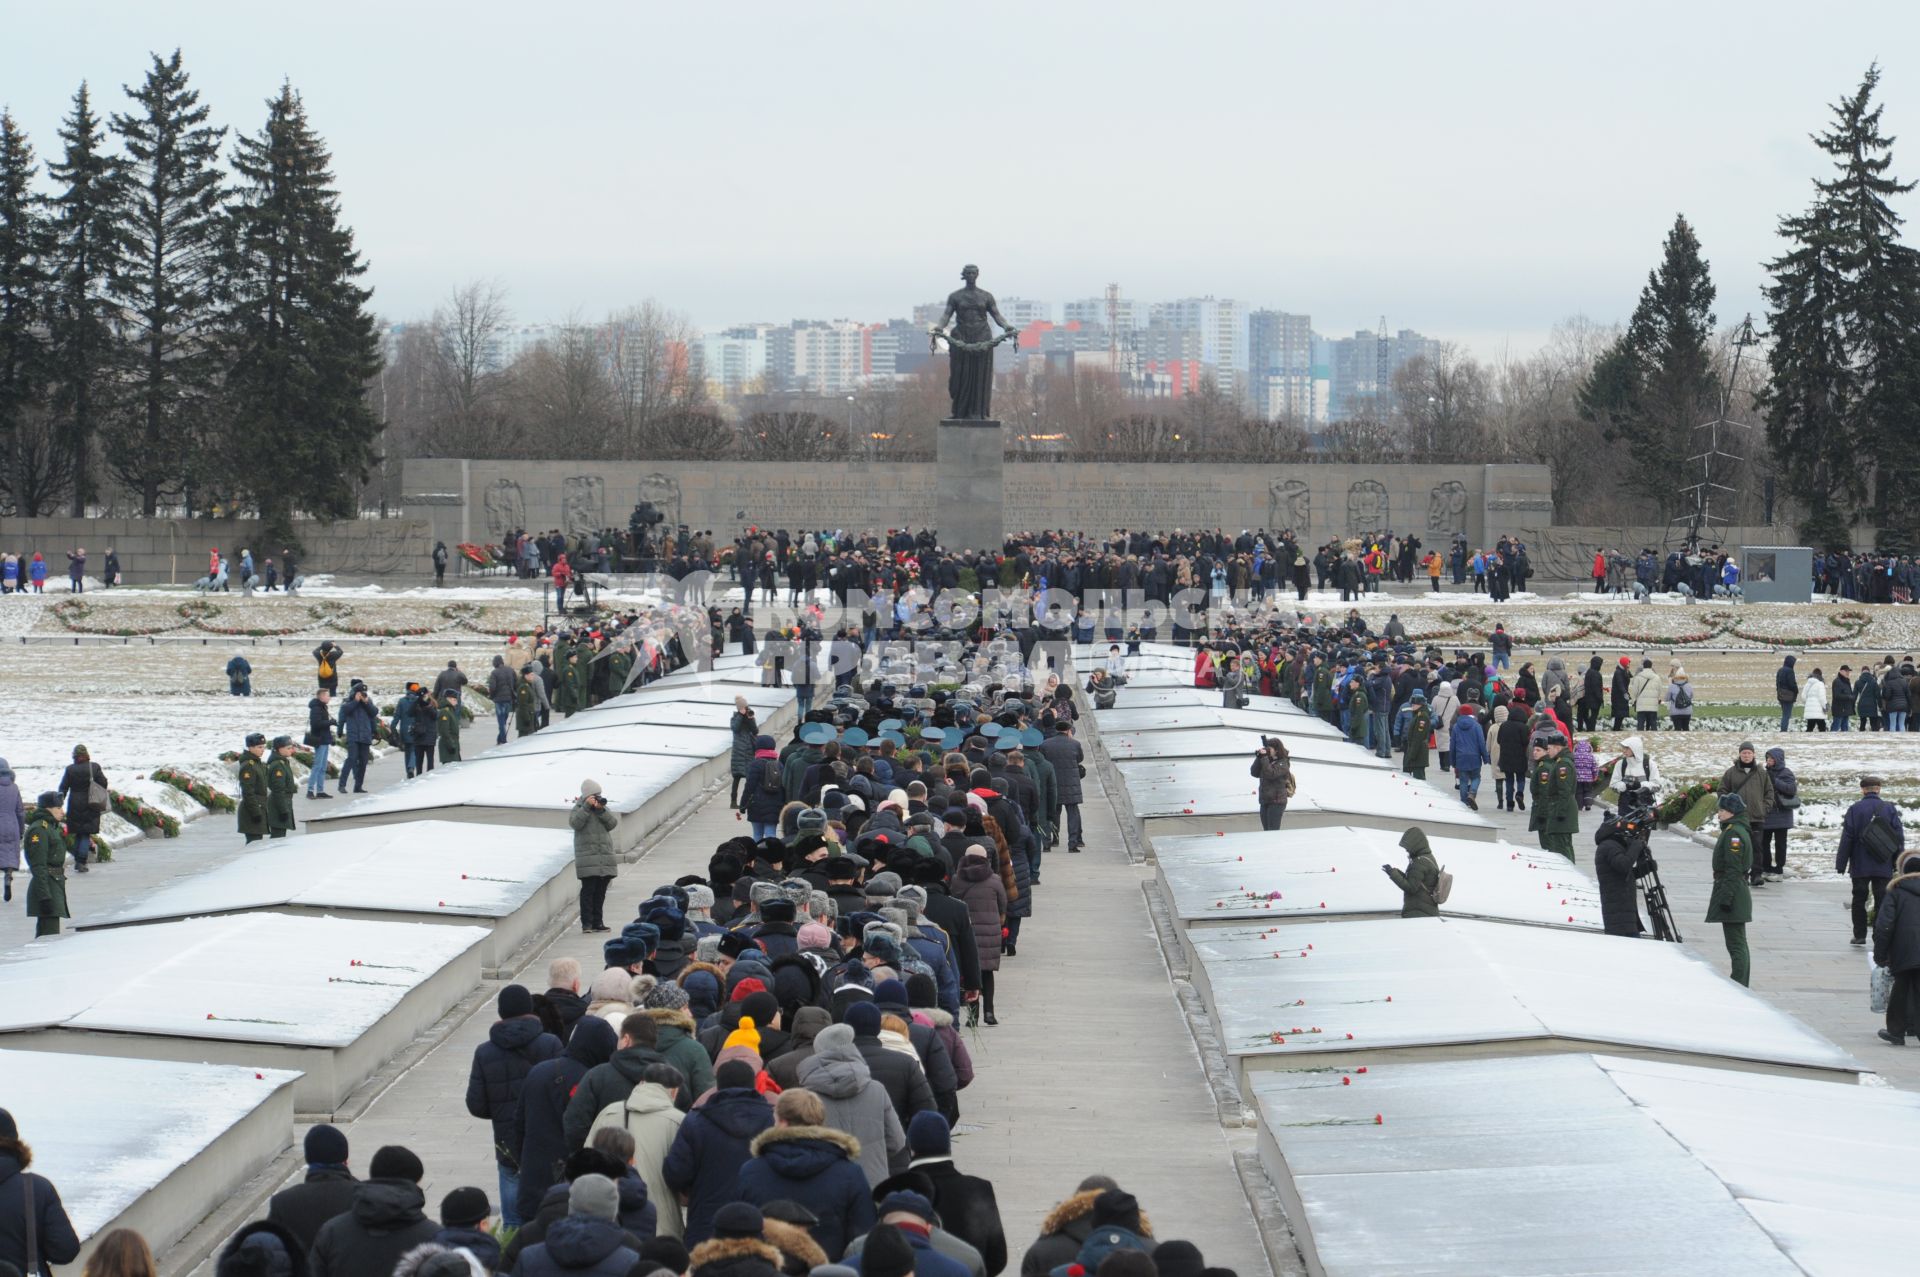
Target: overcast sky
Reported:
[(1473, 170)]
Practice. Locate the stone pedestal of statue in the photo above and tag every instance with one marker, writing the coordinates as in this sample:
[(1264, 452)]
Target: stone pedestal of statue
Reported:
[(969, 503)]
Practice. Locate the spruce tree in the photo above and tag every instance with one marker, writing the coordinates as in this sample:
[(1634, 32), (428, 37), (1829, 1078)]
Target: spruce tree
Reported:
[(301, 342), (167, 281), (86, 235), (23, 246), (1657, 382), (1844, 306)]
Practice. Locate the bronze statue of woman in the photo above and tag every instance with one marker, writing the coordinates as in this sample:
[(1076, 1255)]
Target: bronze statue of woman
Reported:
[(970, 346)]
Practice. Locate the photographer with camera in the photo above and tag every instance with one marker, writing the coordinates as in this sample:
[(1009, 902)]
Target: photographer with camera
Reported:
[(1274, 770), (1231, 682), (1619, 846), (594, 860)]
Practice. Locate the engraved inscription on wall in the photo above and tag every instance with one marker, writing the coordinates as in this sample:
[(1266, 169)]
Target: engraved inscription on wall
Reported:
[(1053, 499)]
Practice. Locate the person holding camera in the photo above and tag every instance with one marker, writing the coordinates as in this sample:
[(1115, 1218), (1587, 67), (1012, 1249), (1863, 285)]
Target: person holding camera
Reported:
[(594, 861), (1231, 682), (1618, 846), (1274, 770)]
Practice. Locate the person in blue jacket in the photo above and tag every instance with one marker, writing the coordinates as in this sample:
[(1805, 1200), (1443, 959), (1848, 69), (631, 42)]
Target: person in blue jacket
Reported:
[(1469, 748)]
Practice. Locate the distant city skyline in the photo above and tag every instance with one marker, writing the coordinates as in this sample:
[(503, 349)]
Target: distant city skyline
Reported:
[(1478, 170)]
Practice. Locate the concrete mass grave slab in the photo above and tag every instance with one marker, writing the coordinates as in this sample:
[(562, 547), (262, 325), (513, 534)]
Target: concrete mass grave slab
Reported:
[(1316, 874), (1581, 1164), (510, 880), (687, 690), (151, 1145), (1180, 718), (635, 735), (1206, 796), (1237, 745), (532, 790), (332, 997), (1421, 988)]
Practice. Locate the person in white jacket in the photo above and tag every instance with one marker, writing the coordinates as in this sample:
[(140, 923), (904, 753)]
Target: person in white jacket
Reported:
[(1633, 763), (1445, 706), (1813, 702)]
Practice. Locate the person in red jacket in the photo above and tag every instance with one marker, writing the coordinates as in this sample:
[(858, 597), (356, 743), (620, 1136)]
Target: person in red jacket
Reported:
[(561, 575)]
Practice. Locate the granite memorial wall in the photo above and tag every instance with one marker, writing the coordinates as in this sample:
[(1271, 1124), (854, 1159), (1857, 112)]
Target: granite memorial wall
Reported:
[(480, 501)]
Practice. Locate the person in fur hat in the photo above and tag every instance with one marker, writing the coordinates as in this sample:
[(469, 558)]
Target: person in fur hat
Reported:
[(1068, 1226), (803, 1160)]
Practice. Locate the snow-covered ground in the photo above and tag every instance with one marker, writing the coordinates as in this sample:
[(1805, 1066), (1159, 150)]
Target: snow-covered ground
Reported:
[(130, 734)]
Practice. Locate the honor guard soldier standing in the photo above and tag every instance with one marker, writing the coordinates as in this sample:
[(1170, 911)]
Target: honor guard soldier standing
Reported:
[(253, 788), (281, 787), (1556, 800)]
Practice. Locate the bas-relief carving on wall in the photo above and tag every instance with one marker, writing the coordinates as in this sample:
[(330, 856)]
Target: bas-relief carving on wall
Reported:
[(583, 505), (505, 506), (1367, 507), (1290, 507), (664, 491), (1447, 507)]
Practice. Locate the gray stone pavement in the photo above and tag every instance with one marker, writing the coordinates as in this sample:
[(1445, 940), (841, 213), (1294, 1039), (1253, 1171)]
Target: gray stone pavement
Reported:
[(1092, 1068), (142, 867), (1802, 961)]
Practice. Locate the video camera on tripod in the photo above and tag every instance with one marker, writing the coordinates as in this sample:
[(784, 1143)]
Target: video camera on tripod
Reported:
[(1636, 819)]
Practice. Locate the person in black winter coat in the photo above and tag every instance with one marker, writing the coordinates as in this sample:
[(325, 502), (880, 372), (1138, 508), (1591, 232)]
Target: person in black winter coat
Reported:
[(543, 1105), (54, 1238), (587, 1239), (1896, 946), (899, 1073), (514, 1044), (83, 820), (262, 1247), (388, 1219), (1615, 852), (1592, 697), (1786, 690), (636, 1215), (326, 1192), (612, 1082), (714, 1141), (762, 793), (966, 1203)]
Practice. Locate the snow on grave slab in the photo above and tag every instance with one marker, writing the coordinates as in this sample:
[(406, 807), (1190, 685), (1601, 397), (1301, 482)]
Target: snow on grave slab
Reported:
[(628, 737), (511, 880), (1584, 1164), (1293, 874), (151, 1145), (1205, 796), (1347, 993), (1228, 742), (332, 997), (761, 698), (700, 714), (1145, 697), (1180, 718), (536, 790)]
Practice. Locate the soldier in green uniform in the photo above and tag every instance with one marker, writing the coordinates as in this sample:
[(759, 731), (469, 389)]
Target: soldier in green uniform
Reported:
[(573, 682), (1731, 904), (252, 810), (281, 788), (45, 846), (563, 687), (1556, 797), (450, 726), (1323, 693), (1419, 731), (526, 705), (620, 668)]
